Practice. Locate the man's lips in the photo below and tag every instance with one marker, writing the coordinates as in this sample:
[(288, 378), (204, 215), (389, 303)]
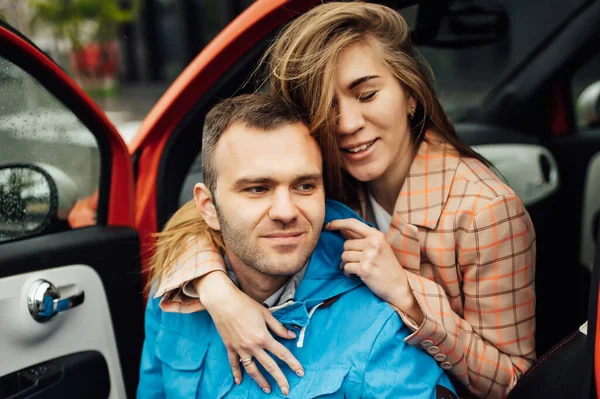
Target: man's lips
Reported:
[(283, 235), (284, 238)]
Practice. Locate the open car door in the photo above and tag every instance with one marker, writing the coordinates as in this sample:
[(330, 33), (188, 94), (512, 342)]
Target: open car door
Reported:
[(71, 308)]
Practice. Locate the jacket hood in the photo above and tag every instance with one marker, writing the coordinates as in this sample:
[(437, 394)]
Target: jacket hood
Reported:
[(323, 279)]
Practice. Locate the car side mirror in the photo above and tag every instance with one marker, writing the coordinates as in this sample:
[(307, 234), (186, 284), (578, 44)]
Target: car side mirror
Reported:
[(588, 106), (32, 197)]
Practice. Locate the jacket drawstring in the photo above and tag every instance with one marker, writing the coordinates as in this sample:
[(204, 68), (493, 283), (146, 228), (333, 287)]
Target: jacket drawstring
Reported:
[(300, 342)]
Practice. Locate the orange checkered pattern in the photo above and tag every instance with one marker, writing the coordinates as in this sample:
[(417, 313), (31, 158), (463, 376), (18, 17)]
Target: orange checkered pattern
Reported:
[(469, 247)]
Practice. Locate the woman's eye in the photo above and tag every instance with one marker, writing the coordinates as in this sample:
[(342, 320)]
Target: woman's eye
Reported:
[(367, 96)]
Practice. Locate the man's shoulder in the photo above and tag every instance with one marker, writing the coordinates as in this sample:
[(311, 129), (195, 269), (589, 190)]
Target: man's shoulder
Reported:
[(366, 309)]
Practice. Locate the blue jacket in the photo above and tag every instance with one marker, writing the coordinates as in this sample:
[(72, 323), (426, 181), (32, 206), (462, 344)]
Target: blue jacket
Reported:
[(353, 347)]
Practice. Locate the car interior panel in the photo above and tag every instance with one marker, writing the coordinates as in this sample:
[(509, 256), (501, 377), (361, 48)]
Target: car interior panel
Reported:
[(112, 254), (73, 371)]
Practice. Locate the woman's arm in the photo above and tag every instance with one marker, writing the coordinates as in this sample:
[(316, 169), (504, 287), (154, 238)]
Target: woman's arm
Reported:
[(492, 343), (242, 322), (177, 284)]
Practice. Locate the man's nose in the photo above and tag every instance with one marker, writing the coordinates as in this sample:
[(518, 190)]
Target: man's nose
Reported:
[(283, 207), (349, 118)]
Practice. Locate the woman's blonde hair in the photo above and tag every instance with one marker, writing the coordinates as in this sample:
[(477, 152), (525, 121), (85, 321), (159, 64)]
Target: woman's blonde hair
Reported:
[(184, 227), (301, 62)]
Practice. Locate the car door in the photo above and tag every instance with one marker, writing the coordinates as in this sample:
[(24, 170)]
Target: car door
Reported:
[(71, 308)]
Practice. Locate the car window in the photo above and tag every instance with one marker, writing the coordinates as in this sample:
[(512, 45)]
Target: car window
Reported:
[(465, 76), (48, 159), (585, 92)]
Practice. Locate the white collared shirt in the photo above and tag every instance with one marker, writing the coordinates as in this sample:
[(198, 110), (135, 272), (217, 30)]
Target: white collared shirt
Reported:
[(383, 219)]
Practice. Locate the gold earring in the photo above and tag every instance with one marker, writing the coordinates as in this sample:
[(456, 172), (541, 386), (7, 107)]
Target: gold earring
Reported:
[(412, 112)]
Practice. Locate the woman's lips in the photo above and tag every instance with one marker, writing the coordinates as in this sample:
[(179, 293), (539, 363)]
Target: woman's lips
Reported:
[(361, 152)]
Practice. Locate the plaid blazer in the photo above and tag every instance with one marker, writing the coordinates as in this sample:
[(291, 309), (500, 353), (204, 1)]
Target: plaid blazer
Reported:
[(469, 247)]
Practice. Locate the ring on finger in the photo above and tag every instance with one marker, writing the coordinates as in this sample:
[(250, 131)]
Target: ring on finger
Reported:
[(246, 362)]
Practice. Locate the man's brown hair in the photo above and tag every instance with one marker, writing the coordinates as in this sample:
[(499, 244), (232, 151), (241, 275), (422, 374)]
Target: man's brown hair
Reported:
[(260, 110)]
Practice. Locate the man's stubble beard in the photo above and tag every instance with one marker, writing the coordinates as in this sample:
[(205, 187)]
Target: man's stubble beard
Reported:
[(252, 257)]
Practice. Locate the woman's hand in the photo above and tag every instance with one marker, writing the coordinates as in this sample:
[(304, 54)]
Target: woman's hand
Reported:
[(242, 324), (368, 255)]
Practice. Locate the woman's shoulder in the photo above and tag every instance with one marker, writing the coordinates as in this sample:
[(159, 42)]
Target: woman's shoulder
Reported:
[(473, 177), (469, 176), (477, 187), (479, 199)]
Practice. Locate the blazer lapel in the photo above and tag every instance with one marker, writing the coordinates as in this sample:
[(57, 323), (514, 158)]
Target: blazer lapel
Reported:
[(427, 185), (422, 199)]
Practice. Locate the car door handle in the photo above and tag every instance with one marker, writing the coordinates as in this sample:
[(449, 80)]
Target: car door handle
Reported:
[(44, 301)]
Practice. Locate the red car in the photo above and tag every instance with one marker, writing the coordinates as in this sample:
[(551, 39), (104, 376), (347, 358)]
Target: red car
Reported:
[(78, 206)]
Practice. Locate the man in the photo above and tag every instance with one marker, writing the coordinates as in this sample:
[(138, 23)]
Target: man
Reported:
[(264, 192)]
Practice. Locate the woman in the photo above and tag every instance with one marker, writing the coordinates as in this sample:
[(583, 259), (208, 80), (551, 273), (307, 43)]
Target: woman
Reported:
[(457, 254)]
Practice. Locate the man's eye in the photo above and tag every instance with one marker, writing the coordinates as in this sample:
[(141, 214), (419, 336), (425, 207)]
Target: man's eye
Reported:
[(306, 187), (256, 190), (367, 96)]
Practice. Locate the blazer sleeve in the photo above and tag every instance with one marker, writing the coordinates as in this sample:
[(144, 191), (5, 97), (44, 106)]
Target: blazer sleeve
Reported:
[(177, 293), (150, 385), (398, 370), (491, 343)]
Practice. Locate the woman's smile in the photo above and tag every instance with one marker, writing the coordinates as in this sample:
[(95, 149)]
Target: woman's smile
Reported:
[(360, 151)]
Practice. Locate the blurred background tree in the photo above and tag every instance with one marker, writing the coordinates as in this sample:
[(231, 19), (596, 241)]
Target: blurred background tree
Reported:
[(90, 28), (69, 18)]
